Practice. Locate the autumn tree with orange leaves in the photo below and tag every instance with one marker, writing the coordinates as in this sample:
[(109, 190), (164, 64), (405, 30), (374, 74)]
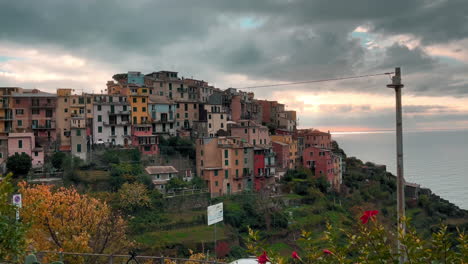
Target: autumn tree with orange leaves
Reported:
[(65, 220)]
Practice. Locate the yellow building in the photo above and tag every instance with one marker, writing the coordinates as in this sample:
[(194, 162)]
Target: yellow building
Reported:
[(138, 99), (293, 148)]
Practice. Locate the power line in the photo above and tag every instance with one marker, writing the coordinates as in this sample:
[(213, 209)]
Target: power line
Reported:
[(316, 81)]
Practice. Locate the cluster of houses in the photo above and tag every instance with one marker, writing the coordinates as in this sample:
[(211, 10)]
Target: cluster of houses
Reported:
[(241, 143)]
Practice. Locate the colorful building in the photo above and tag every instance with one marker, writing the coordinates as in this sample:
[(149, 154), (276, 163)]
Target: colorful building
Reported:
[(320, 162), (221, 163), (144, 139), (251, 132), (161, 175), (111, 122), (34, 111), (162, 112), (316, 138), (138, 100), (293, 155), (25, 143)]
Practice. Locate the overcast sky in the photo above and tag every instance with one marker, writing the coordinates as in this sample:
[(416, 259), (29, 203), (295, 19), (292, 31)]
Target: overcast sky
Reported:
[(80, 44)]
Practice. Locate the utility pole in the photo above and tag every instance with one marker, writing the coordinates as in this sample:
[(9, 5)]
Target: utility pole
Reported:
[(397, 85)]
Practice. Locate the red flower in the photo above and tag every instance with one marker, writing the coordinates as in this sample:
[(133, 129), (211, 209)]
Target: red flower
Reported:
[(295, 255), (262, 259), (327, 252), (368, 215)]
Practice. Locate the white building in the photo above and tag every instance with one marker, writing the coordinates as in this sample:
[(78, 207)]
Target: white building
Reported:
[(111, 120), (161, 175)]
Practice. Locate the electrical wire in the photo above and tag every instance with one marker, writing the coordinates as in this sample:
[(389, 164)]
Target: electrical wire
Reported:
[(316, 81)]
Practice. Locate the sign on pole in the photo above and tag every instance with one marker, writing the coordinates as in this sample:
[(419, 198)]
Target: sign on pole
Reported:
[(215, 213), (17, 202)]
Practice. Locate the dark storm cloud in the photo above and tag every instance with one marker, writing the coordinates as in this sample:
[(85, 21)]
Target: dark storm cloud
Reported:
[(292, 40)]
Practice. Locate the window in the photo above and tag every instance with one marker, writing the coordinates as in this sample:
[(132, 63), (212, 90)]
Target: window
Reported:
[(216, 183), (135, 109), (78, 132), (36, 153), (134, 120), (20, 143), (81, 100), (222, 125), (99, 129), (143, 100), (143, 109), (134, 99), (186, 107), (226, 174), (209, 125), (99, 118), (124, 108), (237, 152), (237, 173), (226, 162), (245, 130), (216, 173), (237, 162), (194, 106), (65, 110), (186, 115), (245, 160), (161, 93), (125, 130), (222, 116), (226, 153), (177, 115), (170, 86), (99, 107), (19, 111), (35, 111), (209, 116), (88, 100), (20, 123), (18, 101), (254, 142), (201, 163), (253, 130), (78, 148)]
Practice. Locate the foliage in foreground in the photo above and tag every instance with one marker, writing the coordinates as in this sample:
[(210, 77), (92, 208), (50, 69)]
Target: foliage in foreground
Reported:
[(12, 242), (65, 220), (369, 242)]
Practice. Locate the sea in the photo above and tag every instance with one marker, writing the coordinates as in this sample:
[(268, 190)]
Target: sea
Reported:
[(437, 160)]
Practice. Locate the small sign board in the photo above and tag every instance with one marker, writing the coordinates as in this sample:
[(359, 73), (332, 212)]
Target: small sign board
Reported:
[(17, 200), (215, 213)]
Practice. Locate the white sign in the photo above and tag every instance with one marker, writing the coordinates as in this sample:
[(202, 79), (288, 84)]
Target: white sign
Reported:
[(215, 213), (17, 200)]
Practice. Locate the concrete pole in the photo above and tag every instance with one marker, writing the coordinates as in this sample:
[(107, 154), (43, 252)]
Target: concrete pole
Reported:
[(397, 85)]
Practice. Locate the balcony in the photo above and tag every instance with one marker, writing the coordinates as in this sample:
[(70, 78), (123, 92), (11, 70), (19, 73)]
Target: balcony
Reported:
[(3, 106), (122, 123), (182, 90), (49, 105), (128, 112), (45, 127), (6, 118)]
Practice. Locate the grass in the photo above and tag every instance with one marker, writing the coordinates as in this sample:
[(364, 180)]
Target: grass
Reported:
[(184, 236), (93, 175)]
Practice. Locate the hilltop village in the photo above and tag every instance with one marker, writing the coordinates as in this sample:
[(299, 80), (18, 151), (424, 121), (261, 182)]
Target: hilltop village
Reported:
[(241, 143)]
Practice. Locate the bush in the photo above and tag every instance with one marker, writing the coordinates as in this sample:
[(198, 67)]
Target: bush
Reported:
[(19, 164)]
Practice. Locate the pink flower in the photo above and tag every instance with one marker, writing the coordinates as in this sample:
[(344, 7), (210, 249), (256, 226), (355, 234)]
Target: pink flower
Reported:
[(262, 259), (327, 252), (294, 255), (368, 215)]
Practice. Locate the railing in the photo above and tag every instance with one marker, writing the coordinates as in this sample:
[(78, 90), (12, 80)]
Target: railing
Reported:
[(111, 258)]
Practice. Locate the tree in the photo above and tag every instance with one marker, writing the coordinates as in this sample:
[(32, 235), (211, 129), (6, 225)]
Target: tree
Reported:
[(57, 160), (133, 196), (12, 232), (66, 220), (19, 164), (175, 183)]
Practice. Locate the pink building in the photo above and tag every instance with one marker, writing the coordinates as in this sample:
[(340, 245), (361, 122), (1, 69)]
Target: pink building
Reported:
[(25, 143), (282, 154), (34, 111), (315, 138), (251, 132), (144, 140), (320, 161)]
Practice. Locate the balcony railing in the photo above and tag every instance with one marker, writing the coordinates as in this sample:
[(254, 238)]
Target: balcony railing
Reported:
[(49, 105), (128, 112), (42, 126), (121, 123), (7, 117)]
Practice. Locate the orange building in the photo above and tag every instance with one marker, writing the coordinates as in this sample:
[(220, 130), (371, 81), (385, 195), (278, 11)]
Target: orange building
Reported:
[(222, 164)]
